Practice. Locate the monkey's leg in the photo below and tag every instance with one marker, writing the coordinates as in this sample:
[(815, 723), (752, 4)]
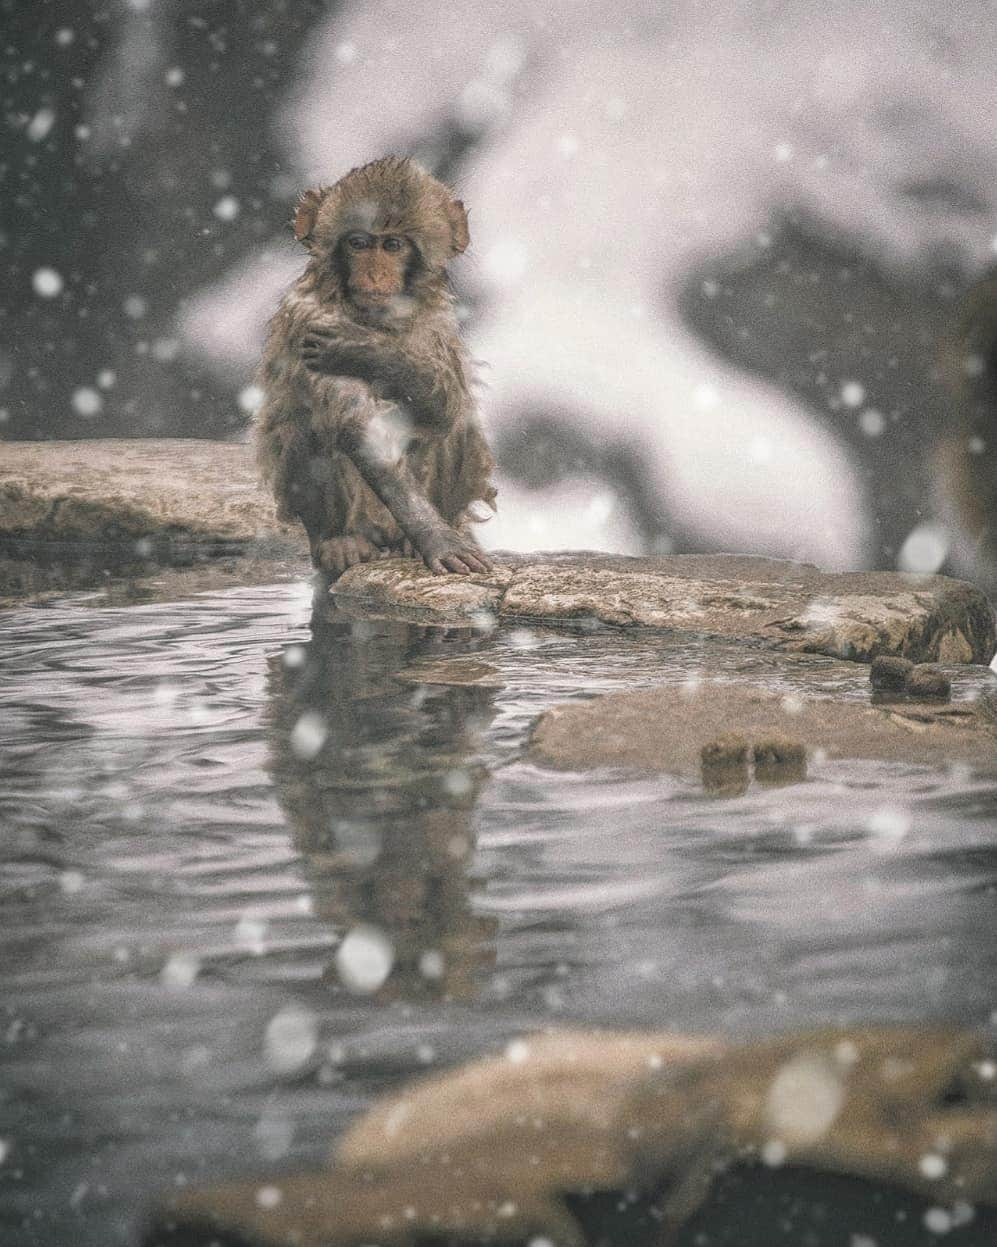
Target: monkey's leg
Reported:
[(336, 554), (371, 448), (332, 551)]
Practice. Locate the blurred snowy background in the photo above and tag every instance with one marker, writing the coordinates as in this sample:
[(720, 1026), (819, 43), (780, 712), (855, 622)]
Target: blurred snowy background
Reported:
[(716, 247)]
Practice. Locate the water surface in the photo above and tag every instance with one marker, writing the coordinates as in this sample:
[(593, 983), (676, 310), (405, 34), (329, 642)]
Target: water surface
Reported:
[(201, 801)]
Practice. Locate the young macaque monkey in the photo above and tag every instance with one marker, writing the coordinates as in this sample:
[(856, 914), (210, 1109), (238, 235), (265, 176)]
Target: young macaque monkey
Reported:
[(367, 432)]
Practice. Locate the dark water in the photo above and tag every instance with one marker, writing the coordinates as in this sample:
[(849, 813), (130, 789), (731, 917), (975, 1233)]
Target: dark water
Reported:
[(213, 812)]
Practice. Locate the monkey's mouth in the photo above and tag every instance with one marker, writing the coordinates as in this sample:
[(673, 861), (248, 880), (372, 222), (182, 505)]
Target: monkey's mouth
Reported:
[(379, 307), (376, 298)]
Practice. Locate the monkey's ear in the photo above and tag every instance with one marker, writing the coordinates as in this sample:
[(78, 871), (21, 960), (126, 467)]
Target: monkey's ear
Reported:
[(304, 217), (460, 235)]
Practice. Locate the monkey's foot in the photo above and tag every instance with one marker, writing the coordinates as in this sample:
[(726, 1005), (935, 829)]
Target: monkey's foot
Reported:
[(338, 553), (445, 551)]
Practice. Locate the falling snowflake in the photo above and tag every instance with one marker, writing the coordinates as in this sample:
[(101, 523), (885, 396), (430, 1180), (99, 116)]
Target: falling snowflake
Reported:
[(87, 402), (290, 1038), (308, 735), (365, 959), (47, 282)]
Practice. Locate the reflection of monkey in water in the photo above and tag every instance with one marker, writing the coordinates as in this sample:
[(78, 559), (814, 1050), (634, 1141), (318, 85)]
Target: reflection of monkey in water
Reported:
[(380, 803), (367, 432)]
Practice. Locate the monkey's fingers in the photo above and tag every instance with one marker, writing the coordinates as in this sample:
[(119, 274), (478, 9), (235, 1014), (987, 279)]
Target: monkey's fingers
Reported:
[(477, 561), (339, 553), (316, 355), (323, 330), (467, 561), (462, 564)]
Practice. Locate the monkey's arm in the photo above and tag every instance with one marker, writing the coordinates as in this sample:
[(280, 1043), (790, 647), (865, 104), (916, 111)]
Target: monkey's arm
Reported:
[(429, 387), (371, 448)]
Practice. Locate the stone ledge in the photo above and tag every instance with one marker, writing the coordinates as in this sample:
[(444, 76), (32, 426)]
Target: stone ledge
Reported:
[(117, 506), (791, 606), (172, 495)]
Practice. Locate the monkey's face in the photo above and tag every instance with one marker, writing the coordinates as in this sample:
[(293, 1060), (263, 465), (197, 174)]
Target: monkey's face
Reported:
[(377, 269)]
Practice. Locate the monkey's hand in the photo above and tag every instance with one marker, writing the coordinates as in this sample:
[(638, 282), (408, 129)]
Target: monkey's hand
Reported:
[(340, 352), (392, 372)]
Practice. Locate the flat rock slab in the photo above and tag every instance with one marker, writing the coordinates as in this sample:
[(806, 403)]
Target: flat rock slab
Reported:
[(538, 1144), (168, 501), (664, 729), (162, 492), (791, 605)]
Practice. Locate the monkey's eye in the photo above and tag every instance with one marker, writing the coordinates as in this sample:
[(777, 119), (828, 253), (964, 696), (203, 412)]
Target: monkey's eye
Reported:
[(393, 244), (358, 242)]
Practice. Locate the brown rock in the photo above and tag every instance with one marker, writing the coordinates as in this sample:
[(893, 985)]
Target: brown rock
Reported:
[(888, 671), (926, 680), (665, 729), (791, 605), (167, 490), (494, 1151), (172, 501), (779, 760), (728, 749), (724, 765)]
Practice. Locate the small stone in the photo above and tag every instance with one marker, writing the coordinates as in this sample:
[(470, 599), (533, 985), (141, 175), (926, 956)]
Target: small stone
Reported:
[(780, 760), (729, 749), (725, 765), (779, 751), (927, 680), (889, 671)]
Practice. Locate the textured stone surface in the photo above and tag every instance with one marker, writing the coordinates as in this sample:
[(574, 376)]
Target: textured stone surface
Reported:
[(794, 606), (118, 490), (405, 587), (665, 729), (512, 1148), (168, 501)]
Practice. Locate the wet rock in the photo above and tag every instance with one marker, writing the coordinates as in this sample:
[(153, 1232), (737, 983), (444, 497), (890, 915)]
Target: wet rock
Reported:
[(664, 729), (986, 705), (113, 514), (728, 749), (724, 765), (889, 672), (789, 605), (926, 680), (169, 491), (779, 760), (172, 501), (521, 1146), (454, 671), (406, 589)]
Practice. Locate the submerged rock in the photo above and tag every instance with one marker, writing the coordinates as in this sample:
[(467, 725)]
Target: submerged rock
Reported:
[(724, 765), (779, 760), (926, 680), (665, 729), (889, 672), (536, 1145)]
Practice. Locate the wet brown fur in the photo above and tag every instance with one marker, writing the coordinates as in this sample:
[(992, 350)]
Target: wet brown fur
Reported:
[(300, 426)]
